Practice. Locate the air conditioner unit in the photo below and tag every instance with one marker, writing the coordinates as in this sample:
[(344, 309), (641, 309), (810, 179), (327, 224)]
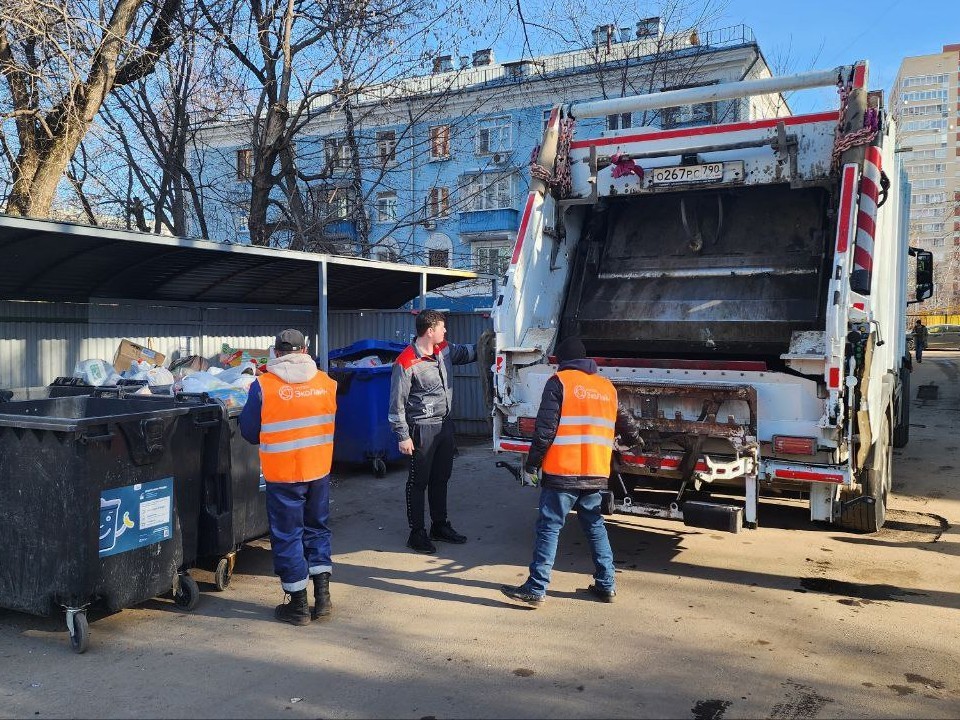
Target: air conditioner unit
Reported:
[(499, 158), (430, 224)]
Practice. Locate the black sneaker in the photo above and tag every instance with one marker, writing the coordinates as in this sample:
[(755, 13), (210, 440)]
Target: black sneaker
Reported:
[(601, 594), (445, 533), (519, 592), (419, 542)]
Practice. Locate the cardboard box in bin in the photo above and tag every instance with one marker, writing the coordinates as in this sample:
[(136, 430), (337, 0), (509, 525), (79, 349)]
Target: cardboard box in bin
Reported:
[(129, 352), (231, 357)]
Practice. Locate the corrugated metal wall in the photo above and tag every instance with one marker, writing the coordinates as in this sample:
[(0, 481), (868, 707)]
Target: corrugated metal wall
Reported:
[(42, 341)]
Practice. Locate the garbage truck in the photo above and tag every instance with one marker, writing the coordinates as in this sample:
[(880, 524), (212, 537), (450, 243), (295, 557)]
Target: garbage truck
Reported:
[(743, 285)]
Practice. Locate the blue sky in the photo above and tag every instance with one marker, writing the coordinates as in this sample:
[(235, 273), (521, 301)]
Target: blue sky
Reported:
[(820, 34), (794, 35)]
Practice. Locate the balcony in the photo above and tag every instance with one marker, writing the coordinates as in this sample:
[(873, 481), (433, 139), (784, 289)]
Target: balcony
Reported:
[(482, 222), (341, 229)]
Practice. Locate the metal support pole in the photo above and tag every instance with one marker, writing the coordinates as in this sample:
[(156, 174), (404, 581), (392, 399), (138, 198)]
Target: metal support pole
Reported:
[(323, 342), (423, 290)]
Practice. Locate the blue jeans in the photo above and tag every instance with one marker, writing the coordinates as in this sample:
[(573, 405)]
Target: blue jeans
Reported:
[(299, 534), (554, 507)]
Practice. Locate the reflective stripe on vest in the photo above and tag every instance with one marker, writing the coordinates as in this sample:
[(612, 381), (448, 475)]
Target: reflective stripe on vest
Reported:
[(296, 428), (584, 442)]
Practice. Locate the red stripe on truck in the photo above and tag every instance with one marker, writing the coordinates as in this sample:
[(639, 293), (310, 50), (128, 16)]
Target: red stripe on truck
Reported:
[(527, 211), (707, 130), (847, 190)]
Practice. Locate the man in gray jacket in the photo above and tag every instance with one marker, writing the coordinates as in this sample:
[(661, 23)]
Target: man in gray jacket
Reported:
[(421, 397)]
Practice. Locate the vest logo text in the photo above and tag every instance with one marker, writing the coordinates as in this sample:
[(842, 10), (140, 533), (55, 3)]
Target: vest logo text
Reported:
[(288, 393), (582, 393)]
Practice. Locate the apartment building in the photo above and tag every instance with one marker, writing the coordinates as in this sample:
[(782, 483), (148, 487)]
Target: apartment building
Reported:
[(433, 169), (926, 105)]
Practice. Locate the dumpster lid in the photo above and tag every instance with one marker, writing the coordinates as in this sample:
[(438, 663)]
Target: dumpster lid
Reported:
[(64, 262), (366, 347)]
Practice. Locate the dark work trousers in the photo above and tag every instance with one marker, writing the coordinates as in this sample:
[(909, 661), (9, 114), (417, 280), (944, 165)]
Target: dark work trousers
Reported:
[(430, 468), (299, 513)]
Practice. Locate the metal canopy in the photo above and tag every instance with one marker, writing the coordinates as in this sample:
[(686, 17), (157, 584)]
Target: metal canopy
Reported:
[(65, 262)]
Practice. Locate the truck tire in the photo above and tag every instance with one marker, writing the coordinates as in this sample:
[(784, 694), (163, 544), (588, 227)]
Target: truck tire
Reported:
[(901, 433), (876, 481)]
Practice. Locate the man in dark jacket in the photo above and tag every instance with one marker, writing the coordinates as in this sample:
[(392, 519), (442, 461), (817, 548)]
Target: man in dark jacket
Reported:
[(421, 398), (573, 441)]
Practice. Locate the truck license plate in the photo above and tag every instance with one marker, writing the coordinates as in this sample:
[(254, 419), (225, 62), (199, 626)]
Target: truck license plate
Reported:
[(706, 172)]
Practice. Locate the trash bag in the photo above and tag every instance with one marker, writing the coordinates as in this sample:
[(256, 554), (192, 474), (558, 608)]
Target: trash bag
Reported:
[(96, 372)]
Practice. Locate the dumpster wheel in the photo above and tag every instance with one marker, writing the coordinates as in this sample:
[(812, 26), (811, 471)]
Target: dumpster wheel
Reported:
[(186, 592), (224, 572), (379, 468), (80, 632)]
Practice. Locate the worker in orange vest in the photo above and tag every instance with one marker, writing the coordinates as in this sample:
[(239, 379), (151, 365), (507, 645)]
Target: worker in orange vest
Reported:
[(290, 414), (573, 440)]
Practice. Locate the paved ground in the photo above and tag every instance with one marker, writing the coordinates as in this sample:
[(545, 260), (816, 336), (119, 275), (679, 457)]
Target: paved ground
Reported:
[(789, 621)]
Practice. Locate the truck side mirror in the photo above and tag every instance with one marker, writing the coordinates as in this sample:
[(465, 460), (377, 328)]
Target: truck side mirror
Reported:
[(924, 276)]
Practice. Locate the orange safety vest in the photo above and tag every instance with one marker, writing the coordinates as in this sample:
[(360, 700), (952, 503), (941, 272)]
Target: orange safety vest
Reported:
[(296, 428), (584, 442)]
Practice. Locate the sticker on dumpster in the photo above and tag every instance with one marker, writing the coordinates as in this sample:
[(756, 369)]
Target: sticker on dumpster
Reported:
[(136, 515), (263, 484)]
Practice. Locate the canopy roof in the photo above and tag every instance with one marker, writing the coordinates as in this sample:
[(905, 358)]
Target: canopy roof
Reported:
[(66, 262)]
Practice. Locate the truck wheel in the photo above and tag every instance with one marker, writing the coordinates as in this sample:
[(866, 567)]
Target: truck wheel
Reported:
[(866, 517), (901, 433)]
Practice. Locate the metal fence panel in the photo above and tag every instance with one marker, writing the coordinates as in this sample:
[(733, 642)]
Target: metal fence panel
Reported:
[(42, 341)]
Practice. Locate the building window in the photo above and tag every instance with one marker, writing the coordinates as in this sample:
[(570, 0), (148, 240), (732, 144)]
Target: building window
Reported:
[(439, 142), (915, 80), (487, 192), (387, 147), (619, 121), (332, 203), (492, 259), (244, 163), (494, 136), (438, 202), (545, 121), (336, 153), (698, 114), (939, 242), (386, 207), (925, 125), (438, 258)]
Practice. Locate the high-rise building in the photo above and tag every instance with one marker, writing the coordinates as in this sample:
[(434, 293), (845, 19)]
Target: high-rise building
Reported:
[(926, 105)]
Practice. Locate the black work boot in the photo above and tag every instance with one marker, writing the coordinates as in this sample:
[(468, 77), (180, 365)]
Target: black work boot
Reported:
[(296, 610), (321, 593), (419, 542)]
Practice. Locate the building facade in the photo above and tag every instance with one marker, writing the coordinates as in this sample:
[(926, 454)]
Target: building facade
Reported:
[(926, 105), (433, 169)]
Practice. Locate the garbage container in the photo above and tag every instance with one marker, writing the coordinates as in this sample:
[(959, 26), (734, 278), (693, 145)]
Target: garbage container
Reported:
[(100, 499), (233, 508), (362, 433)]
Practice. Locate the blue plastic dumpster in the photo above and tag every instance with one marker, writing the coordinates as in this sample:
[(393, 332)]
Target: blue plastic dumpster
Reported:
[(363, 434)]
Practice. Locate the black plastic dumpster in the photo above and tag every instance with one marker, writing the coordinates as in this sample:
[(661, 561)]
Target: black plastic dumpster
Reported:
[(362, 432), (100, 500), (233, 509)]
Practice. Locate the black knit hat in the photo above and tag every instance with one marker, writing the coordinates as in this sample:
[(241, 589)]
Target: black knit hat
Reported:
[(570, 348)]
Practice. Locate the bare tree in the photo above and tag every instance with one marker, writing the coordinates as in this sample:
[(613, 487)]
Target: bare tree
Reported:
[(60, 61)]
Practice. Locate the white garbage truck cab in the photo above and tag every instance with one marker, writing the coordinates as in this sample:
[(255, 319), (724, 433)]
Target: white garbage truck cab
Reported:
[(743, 285)]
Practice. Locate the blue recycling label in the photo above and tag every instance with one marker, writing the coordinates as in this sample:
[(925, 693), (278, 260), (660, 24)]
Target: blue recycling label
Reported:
[(134, 516)]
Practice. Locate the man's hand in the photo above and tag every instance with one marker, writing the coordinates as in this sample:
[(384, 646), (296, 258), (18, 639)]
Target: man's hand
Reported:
[(531, 477), (406, 446)]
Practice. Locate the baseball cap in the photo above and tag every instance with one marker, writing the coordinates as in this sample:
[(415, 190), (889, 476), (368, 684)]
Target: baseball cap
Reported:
[(290, 340)]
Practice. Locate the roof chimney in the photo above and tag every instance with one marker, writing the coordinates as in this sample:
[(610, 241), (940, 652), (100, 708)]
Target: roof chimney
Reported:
[(443, 63), (483, 57)]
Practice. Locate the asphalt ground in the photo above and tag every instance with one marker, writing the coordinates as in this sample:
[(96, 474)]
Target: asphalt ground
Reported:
[(791, 620)]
